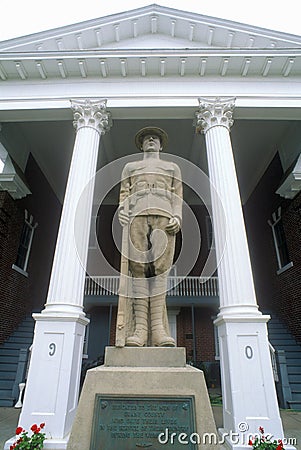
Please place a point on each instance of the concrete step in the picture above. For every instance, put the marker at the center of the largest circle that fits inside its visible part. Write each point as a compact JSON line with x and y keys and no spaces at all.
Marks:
{"x":7,"y":402}
{"x":290,"y":348}
{"x":13,"y":345}
{"x":9,"y":352}
{"x":8,"y":367}
{"x":9,"y":355}
{"x":292,"y":354}
{"x":293,"y":361}
{"x":7,"y":376}
{"x":294,"y":369}
{"x":6,"y":384}
{"x":281,"y":339}
{"x":24,"y":331}
{"x":294,"y":378}
{"x":5,"y":393}
{"x":294,"y":404}
{"x":274,"y":330}
{"x":26,"y":324}
{"x":9,"y":358}
{"x":274,"y":322}
{"x":284,"y":339}
{"x":275,"y":333}
{"x":296,"y":395}
{"x":20,"y":340}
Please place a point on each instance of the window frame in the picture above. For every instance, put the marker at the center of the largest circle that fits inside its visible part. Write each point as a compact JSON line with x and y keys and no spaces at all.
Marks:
{"x":28,"y":222}
{"x":210,"y":233}
{"x":277,"y":220}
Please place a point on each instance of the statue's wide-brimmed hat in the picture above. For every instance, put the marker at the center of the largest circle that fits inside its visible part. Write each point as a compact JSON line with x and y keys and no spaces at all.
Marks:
{"x":162,"y":135}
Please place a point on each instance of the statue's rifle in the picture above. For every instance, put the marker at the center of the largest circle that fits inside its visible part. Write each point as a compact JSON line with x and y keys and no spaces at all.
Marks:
{"x":124,"y":279}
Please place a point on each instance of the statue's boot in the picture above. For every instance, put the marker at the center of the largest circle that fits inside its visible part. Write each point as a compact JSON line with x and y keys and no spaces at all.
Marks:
{"x":139,"y":338}
{"x":160,"y":337}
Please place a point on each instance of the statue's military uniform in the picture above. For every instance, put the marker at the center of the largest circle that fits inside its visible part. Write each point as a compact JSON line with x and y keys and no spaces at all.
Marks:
{"x":152,"y":189}
{"x":155,"y":188}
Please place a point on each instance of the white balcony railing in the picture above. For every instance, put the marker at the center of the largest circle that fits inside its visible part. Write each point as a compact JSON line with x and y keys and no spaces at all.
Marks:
{"x":177,"y":286}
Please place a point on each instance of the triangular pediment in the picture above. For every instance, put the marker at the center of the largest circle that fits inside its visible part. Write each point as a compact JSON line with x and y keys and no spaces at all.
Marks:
{"x":153,"y":26}
{"x":157,"y":41}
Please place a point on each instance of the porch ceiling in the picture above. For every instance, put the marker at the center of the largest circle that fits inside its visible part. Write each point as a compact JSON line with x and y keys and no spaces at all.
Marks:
{"x":254,"y":145}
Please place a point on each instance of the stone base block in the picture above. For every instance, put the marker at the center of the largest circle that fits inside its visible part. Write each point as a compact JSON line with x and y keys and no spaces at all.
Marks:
{"x":144,"y":404}
{"x":145,"y":357}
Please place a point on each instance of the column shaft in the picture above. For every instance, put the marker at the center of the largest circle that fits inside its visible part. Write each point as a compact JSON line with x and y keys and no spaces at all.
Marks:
{"x":235,"y":273}
{"x":249,"y":395}
{"x":68,"y":272}
{"x":53,"y":378}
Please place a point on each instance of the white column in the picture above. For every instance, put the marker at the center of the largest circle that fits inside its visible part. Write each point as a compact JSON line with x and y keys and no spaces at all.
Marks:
{"x":249,"y":395}
{"x":68,"y":272}
{"x":53,"y":380}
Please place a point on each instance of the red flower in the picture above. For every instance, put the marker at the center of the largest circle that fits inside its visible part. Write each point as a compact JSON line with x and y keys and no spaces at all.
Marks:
{"x":42,"y":425}
{"x":261,"y":430}
{"x":250,"y":442}
{"x":34,"y":427}
{"x":37,"y":430}
{"x":280,"y":445}
{"x":19,"y":430}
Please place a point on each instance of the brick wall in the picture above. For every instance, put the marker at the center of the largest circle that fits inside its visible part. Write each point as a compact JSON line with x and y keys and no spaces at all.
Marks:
{"x":278,"y":293}
{"x":14,"y":287}
{"x":20,"y":295}
{"x":287,"y":285}
{"x":113,"y":326}
{"x":204,"y":333}
{"x":46,"y":210}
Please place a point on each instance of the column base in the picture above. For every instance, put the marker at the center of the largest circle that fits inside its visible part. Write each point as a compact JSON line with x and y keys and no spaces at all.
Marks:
{"x":52,"y":387}
{"x":63,"y":310}
{"x":248,"y":387}
{"x":241,"y":311}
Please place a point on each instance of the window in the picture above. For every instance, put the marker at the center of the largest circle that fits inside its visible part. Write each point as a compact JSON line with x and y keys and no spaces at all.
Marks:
{"x":210,"y":233}
{"x":3,"y":156}
{"x":282,"y":254}
{"x":216,"y":340}
{"x":25,"y":244}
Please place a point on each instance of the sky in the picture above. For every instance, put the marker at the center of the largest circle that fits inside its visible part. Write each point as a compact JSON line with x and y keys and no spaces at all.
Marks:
{"x":19,"y":18}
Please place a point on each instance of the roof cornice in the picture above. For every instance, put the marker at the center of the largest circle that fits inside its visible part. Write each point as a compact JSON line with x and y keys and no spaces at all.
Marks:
{"x":117,"y":63}
{"x":177,"y":52}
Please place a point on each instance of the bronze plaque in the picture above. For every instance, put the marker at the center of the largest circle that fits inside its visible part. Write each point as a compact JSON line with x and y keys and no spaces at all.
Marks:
{"x":132,"y":423}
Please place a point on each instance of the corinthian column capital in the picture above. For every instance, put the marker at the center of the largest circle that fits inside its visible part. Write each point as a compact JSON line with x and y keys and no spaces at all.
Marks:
{"x":214,"y":112}
{"x":91,"y":114}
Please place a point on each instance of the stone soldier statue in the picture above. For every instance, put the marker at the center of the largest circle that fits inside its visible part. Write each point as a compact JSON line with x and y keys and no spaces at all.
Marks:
{"x":151,"y":208}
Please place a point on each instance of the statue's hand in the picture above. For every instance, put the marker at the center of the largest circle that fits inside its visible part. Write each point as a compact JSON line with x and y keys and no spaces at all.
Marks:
{"x":173,"y":225}
{"x":123,"y":218}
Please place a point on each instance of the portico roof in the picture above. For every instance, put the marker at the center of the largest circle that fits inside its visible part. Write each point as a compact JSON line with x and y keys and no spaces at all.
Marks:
{"x":151,"y":64}
{"x":151,"y":41}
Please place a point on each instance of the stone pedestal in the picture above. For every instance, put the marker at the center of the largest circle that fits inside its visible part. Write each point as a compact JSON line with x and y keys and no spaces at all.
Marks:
{"x":141,"y":397}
